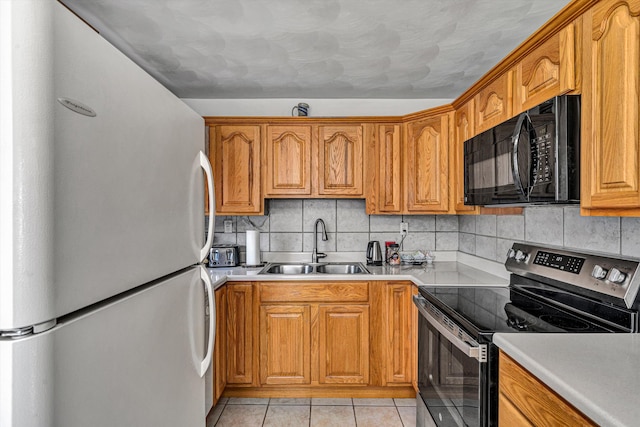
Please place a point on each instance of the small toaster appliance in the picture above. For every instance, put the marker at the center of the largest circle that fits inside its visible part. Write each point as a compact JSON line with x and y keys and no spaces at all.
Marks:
{"x":224,"y":256}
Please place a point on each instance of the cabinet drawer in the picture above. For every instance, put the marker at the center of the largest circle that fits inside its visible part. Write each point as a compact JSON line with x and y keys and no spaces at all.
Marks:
{"x":314,"y":291}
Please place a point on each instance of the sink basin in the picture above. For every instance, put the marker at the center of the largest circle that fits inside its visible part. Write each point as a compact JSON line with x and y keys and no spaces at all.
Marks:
{"x":287,"y":269}
{"x":324,"y":268}
{"x":342,"y":268}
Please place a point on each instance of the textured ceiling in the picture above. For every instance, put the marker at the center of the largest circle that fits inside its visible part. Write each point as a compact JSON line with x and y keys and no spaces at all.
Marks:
{"x":316,"y":48}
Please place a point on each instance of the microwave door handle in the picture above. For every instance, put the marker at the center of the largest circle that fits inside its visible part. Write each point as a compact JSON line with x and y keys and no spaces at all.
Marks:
{"x":476,"y":351}
{"x":515,"y":139}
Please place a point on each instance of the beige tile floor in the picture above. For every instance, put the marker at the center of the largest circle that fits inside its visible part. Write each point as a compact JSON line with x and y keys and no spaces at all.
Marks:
{"x":313,"y":412}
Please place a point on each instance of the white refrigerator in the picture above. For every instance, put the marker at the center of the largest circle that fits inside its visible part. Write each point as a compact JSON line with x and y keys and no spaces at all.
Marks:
{"x":102,"y":295}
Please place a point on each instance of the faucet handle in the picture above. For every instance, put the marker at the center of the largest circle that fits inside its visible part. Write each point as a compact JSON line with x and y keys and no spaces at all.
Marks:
{"x":321,"y":255}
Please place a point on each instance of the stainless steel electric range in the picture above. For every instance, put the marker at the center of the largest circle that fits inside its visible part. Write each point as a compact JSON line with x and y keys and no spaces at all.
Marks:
{"x":551,"y":290}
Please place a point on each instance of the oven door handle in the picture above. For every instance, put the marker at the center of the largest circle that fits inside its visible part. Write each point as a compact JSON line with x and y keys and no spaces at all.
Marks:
{"x":470,"y":348}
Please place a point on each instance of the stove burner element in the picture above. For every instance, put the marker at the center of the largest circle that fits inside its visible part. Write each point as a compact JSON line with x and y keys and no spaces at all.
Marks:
{"x":564,"y":322}
{"x":518,"y":323}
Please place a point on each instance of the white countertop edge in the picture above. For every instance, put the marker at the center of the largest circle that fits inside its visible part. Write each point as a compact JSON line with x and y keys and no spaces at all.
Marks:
{"x":595,"y":383}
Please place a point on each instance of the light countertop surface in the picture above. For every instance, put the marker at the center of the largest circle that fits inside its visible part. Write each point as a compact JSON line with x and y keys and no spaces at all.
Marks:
{"x":599,"y":374}
{"x":440,"y":273}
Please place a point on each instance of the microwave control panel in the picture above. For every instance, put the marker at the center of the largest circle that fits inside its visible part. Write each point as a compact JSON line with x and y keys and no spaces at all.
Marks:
{"x":541,"y":152}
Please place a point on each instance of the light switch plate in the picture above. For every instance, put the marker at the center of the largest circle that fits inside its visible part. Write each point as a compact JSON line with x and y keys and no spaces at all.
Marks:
{"x":228,"y":226}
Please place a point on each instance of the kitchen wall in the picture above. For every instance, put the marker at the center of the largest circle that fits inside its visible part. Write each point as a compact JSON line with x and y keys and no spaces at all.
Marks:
{"x":289,"y":228}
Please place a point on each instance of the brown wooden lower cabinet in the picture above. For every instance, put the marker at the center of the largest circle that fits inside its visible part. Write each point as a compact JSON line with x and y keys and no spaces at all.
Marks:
{"x":401,"y":348}
{"x":321,"y":339}
{"x":220,"y":346}
{"x":343,"y":344}
{"x":526,"y":401}
{"x":285,"y":341}
{"x":240,"y":331}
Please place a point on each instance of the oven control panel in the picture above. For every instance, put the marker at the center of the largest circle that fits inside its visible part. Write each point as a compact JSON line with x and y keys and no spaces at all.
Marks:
{"x":572,"y":264}
{"x":616,"y":279}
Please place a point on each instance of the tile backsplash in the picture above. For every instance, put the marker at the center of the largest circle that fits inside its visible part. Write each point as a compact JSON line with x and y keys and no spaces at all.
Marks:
{"x":490,"y":236}
{"x":289,"y":228}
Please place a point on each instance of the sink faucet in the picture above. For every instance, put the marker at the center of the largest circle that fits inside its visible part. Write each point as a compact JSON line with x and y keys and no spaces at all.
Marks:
{"x":316,"y":255}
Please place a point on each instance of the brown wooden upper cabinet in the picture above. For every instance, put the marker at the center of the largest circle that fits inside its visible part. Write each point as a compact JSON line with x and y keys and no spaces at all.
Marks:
{"x":314,"y":161}
{"x":494,"y":102}
{"x":235,"y":157}
{"x":610,"y":182}
{"x":547,"y":71}
{"x":426,"y":159}
{"x":288,"y":160}
{"x":340,"y":160}
{"x":464,"y":119}
{"x":384,"y":181}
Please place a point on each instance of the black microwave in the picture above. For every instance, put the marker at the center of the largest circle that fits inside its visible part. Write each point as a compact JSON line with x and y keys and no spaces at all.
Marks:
{"x":533,"y":158}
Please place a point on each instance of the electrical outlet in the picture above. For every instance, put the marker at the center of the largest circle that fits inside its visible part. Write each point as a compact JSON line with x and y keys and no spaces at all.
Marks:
{"x":228,"y":226}
{"x":404,"y":228}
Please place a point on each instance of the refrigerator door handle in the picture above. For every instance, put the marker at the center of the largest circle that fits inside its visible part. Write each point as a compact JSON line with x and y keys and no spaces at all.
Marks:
{"x":206,"y":166}
{"x":204,"y":365}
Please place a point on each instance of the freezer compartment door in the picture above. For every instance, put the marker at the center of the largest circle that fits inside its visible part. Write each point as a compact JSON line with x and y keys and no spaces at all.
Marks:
{"x":129,"y":186}
{"x":107,"y":202}
{"x":134,"y":362}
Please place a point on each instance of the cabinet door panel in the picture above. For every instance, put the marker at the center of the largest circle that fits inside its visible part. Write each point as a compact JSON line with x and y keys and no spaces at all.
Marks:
{"x":388,"y":157}
{"x":343,"y":344}
{"x":240,"y":334}
{"x":533,"y":399}
{"x":493,"y":103}
{"x":464,"y":131}
{"x":340,"y":160}
{"x":236,"y":168}
{"x":220,"y":346}
{"x":285,"y":340}
{"x":611,"y":104}
{"x":547,"y":71}
{"x":288,"y":155}
{"x":400,"y":333}
{"x":427,"y":165}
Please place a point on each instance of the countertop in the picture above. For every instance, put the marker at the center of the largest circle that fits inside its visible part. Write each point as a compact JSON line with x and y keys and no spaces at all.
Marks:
{"x":599,"y":374}
{"x":440,"y":273}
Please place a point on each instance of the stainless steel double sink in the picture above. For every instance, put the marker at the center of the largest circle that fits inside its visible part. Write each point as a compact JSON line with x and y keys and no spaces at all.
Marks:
{"x":312,"y":268}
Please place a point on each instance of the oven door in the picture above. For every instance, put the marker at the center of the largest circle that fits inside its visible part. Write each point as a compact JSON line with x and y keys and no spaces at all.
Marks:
{"x":450,"y":370}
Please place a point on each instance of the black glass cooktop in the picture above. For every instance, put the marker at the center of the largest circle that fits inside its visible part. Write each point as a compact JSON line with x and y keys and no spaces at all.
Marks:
{"x":485,"y":310}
